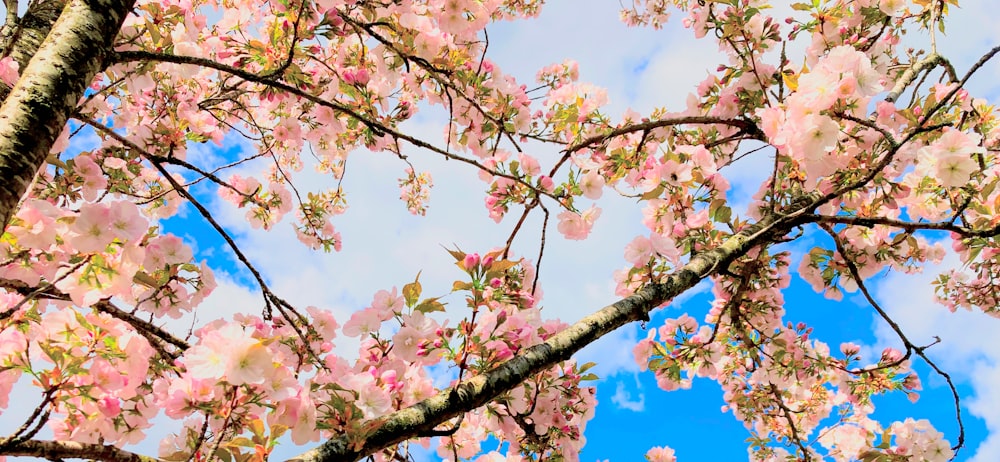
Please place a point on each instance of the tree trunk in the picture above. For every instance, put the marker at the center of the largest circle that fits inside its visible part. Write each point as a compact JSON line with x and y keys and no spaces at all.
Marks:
{"x":49,"y":87}
{"x":21,"y":40}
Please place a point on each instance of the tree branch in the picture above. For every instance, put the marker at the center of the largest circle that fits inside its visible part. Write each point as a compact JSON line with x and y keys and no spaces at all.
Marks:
{"x":750,"y":128}
{"x":908,"y":226}
{"x":54,"y":450}
{"x":911,"y":73}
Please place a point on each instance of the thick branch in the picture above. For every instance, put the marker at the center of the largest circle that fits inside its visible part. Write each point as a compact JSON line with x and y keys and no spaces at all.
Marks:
{"x":34,"y":114}
{"x":56,"y":450}
{"x":479,"y":390}
{"x":908,"y":226}
{"x":911,"y":73}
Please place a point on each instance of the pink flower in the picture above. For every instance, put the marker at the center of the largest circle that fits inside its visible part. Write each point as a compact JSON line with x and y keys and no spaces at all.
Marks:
{"x":372,"y":399}
{"x":818,"y":90}
{"x":38,"y":224}
{"x":249,"y":362}
{"x":545,"y":182}
{"x":230,"y":353}
{"x":529,"y":165}
{"x":890,"y":7}
{"x":203,"y":362}
{"x":817,"y":135}
{"x":406,"y":342}
{"x":638,"y":251}
{"x":7,"y":380}
{"x":8,"y":71}
{"x":304,"y":430}
{"x":951,"y":157}
{"x":849,"y":348}
{"x":642,"y":352}
{"x":387,"y":303}
{"x":126,"y":222}
{"x":661,"y":454}
{"x":665,"y":247}
{"x":93,"y":178}
{"x":166,"y":250}
{"x":91,"y":227}
{"x":955,"y":170}
{"x":592,"y":185}
{"x":363,"y":322}
{"x":324,"y":322}
{"x":109,"y":406}
{"x":577,"y":227}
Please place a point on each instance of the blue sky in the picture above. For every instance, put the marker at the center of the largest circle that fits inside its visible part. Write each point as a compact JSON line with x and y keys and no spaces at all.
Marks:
{"x":384,"y":246}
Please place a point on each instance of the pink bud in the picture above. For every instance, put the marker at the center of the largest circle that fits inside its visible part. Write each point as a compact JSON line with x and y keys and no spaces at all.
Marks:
{"x":362,"y":77}
{"x":470,"y":262}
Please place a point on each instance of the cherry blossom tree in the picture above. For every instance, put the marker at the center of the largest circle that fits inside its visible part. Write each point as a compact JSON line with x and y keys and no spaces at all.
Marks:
{"x":876,"y":146}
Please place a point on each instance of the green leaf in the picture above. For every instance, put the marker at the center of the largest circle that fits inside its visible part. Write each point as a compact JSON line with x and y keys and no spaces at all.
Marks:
{"x":411,"y":291}
{"x":241,"y":441}
{"x":886,"y":440}
{"x":154,"y":32}
{"x":590,"y":376}
{"x":177,"y":457}
{"x":723,"y":214}
{"x":655,"y":193}
{"x":277,"y":430}
{"x":429,"y":305}
{"x":458,"y":254}
{"x":503,"y":265}
{"x":872,"y":456}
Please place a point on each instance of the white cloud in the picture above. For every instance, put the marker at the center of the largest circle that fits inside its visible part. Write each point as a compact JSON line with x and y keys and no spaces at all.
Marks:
{"x":624,"y":400}
{"x":612,"y":353}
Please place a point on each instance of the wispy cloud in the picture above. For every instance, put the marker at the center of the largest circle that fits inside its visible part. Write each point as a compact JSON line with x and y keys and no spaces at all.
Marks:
{"x":624,"y":399}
